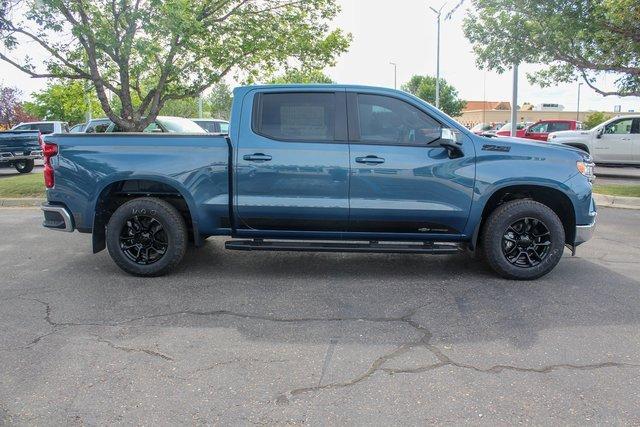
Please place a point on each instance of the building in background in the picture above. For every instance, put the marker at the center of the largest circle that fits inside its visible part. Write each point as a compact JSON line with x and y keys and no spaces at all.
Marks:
{"x":500,"y":112}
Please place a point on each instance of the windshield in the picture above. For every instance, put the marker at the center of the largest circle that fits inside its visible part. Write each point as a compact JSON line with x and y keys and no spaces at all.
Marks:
{"x":179,"y":124}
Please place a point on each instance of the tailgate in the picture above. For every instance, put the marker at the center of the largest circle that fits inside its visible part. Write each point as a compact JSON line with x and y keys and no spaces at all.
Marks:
{"x":19,"y":142}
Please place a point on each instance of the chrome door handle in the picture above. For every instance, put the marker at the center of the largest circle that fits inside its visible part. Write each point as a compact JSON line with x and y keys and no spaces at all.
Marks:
{"x":256,"y":157}
{"x":370,"y":160}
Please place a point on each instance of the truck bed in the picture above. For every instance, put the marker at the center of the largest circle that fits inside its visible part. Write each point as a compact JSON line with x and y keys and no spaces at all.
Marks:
{"x":194,"y":166}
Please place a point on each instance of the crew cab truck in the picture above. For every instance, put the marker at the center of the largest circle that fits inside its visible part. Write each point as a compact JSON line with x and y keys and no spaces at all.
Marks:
{"x":322,"y":168}
{"x":616,"y":141}
{"x":20,"y":149}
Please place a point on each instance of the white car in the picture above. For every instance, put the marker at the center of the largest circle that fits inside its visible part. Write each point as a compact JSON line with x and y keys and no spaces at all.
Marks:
{"x":616,"y":141}
{"x":45,"y":128}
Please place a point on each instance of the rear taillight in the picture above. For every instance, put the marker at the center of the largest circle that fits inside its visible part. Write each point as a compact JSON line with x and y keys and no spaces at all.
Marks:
{"x":49,"y":150}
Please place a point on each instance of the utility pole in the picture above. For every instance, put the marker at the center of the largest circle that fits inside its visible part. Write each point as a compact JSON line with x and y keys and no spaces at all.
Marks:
{"x":514,"y":101}
{"x":578,"y":108}
{"x":395,"y":74}
{"x":438,"y":13}
{"x":200,"y":106}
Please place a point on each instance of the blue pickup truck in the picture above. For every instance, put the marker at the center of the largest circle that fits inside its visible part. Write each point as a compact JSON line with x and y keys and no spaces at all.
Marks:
{"x":323,"y":168}
{"x":20,"y":149}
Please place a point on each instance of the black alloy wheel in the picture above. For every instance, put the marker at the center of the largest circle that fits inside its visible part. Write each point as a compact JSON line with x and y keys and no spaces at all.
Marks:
{"x":143,"y":239}
{"x":526,"y":242}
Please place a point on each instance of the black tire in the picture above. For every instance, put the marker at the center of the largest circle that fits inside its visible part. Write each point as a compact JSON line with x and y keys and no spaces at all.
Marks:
{"x":146,"y":237}
{"x":24,"y":166}
{"x":537,"y":252}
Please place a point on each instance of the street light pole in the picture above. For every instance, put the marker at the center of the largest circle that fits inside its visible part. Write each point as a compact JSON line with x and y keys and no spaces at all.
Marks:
{"x":438,"y":13}
{"x":395,"y":74}
{"x":578,"y":108}
{"x":514,"y":102}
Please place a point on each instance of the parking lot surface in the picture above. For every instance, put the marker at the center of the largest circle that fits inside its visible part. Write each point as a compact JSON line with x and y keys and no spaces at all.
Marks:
{"x":293,"y":338}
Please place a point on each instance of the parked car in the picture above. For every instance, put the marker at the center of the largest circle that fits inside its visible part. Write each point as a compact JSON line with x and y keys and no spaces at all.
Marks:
{"x":505,"y":130}
{"x":163,"y":124}
{"x":322,"y":168}
{"x":97,"y":125}
{"x":540,"y":130}
{"x":44,"y":128}
{"x":486,"y":129}
{"x":19,"y":149}
{"x":616,"y":141}
{"x":213,"y":125}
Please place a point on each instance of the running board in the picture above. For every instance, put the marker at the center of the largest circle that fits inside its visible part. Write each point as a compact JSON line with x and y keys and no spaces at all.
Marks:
{"x":371,"y":247}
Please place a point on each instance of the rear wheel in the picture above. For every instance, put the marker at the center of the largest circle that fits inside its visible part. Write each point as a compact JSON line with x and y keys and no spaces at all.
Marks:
{"x":146,"y":237}
{"x":24,"y":166}
{"x":523,"y":239}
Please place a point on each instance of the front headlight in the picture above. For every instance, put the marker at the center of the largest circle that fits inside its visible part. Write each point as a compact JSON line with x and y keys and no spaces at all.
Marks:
{"x":550,"y":137}
{"x":586,"y":168}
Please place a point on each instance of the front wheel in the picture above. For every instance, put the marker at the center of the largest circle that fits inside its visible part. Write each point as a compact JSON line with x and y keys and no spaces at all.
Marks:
{"x":24,"y":166}
{"x":523,"y":240}
{"x":146,"y":237}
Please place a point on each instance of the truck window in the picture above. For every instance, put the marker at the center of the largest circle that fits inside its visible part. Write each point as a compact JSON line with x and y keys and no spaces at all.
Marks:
{"x":224,"y":127}
{"x":539,"y":128}
{"x":558,"y":126}
{"x":619,"y":127}
{"x":44,"y":128}
{"x":295,"y":116}
{"x":384,"y":119}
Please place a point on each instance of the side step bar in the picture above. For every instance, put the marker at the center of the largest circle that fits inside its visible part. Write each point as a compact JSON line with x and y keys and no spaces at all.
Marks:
{"x":371,"y":247}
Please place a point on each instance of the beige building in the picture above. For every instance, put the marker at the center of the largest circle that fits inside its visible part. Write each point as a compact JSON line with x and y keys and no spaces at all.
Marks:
{"x":500,"y":112}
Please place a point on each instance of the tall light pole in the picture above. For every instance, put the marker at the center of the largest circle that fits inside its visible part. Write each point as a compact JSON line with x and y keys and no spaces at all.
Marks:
{"x":578,"y":108}
{"x":395,"y":74}
{"x":514,"y":102}
{"x":438,"y":13}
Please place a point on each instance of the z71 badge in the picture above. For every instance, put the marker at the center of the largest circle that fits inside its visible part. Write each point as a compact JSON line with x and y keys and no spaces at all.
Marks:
{"x":492,"y":147}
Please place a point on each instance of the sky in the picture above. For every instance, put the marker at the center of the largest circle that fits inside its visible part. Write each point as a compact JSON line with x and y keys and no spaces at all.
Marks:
{"x":404,"y":32}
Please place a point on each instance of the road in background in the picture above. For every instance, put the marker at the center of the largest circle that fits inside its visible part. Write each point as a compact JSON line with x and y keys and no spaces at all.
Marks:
{"x":622,"y":175}
{"x":305,"y":338}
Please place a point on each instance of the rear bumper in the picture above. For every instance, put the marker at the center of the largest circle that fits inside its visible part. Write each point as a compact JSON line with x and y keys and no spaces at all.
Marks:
{"x":13,"y":156}
{"x":57,"y":218}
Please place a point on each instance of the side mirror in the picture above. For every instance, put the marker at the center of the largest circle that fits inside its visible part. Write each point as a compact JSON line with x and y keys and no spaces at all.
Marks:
{"x":449,"y":141}
{"x":599,"y":132}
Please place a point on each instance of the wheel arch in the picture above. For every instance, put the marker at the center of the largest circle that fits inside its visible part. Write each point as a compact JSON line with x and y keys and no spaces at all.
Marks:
{"x":117,"y":190}
{"x":554,"y":198}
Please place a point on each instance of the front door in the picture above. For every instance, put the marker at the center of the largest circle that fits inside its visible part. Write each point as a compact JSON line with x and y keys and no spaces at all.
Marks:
{"x":539,"y":131}
{"x":399,"y":183}
{"x":615,"y":144}
{"x":293,"y":161}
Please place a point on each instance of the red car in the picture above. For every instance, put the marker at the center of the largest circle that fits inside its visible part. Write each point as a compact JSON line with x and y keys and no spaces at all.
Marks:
{"x":541,"y":130}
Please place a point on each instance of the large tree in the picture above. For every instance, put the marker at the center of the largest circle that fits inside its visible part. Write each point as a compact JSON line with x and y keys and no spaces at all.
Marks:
{"x":11,"y":108}
{"x":309,"y":76}
{"x":149,"y":52}
{"x":218,"y":103}
{"x":67,"y":101}
{"x":424,"y":87}
{"x":575,"y":39}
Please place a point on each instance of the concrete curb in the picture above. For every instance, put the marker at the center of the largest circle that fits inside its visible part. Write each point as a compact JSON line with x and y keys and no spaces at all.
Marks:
{"x":617,"y":201}
{"x":21,"y":202}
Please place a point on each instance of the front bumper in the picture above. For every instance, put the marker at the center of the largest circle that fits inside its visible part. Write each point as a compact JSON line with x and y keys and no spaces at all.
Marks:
{"x":585,"y":232}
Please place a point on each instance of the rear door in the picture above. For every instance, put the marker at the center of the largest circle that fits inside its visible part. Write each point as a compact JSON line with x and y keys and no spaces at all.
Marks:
{"x":399,"y":184}
{"x":292,"y":162}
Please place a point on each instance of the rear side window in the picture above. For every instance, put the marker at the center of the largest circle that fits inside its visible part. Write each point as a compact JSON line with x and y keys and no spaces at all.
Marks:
{"x":558,"y":126}
{"x":295,"y":116}
{"x":44,"y":128}
{"x":224,"y":127}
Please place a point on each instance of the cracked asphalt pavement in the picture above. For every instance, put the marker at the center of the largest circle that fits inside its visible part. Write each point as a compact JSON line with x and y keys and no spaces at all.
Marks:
{"x":301,"y":338}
